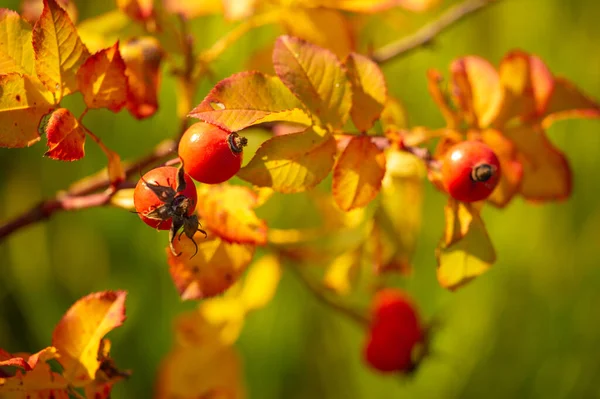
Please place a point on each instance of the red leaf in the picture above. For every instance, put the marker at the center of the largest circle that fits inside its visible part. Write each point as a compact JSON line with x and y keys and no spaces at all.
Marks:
{"x":66,"y":137}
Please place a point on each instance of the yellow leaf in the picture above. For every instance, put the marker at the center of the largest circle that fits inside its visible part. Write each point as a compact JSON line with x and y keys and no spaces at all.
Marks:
{"x":103,"y":30}
{"x":16,"y":52}
{"x":466,"y":250}
{"x":393,"y":116}
{"x":357,"y":174}
{"x":369,"y":91}
{"x":326,"y":28}
{"x":291,"y":163}
{"x":261,"y":282}
{"x":208,"y":371}
{"x":236,"y":10}
{"x":248,"y":98}
{"x":227,"y":211}
{"x":78,"y":335}
{"x":102,"y":81}
{"x":215,"y":268}
{"x":397,"y":221}
{"x":22,"y":106}
{"x":342,"y":272}
{"x":58,"y":50}
{"x":316,"y":76}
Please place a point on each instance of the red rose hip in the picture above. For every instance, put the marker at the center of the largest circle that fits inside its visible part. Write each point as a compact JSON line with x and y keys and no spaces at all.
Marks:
{"x":394,"y":333}
{"x":146,"y":200}
{"x":470,"y":171}
{"x":210,"y":154}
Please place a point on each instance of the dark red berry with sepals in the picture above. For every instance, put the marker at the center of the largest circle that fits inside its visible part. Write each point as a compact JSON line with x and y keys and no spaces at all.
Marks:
{"x":470,"y":171}
{"x":155,"y":195}
{"x":211,"y":155}
{"x":395,"y":333}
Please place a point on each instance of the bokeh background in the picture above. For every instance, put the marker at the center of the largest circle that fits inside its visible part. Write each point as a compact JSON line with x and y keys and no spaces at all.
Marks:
{"x":529,"y":328}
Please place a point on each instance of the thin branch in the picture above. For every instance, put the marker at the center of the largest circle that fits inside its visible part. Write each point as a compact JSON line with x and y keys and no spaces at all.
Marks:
{"x":326,"y":298}
{"x":427,"y":33}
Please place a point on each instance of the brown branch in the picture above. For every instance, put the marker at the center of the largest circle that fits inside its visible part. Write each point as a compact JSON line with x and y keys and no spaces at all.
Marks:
{"x":427,"y":33}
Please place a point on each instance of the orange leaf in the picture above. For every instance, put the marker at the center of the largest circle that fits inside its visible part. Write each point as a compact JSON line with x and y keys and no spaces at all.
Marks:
{"x":434,"y":82}
{"x":316,"y":76}
{"x":546,"y":171}
{"x":466,"y":250}
{"x":326,"y":28}
{"x":528,"y":85}
{"x":357,"y":174}
{"x":37,"y":380}
{"x":567,"y":101}
{"x":16,"y":53}
{"x":248,"y":98}
{"x":58,"y":50}
{"x":32,"y":9}
{"x":227,"y":211}
{"x":369,"y":91}
{"x":291,"y":163}
{"x":102,"y":80}
{"x":79,"y":333}
{"x":142,"y":57}
{"x":397,"y":221}
{"x":66,"y":137}
{"x":22,"y":106}
{"x":512,"y":170}
{"x":205,"y":371}
{"x":476,"y":89}
{"x":215,"y":267}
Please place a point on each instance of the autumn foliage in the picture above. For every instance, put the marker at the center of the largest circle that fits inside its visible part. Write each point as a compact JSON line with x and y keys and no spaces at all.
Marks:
{"x":334,"y":131}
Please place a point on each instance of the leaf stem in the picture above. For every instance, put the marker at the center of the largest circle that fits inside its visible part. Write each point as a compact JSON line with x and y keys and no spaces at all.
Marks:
{"x":325,"y":297}
{"x":425,"y":35}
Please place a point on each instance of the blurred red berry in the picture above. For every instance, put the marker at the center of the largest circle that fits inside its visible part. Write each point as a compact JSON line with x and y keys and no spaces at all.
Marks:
{"x":394,"y":333}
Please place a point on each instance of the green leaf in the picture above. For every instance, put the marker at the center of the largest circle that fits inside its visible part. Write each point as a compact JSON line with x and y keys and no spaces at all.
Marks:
{"x":249,"y":98}
{"x":466,"y":250}
{"x":316,"y":76}
{"x":368,"y":91}
{"x":291,"y":163}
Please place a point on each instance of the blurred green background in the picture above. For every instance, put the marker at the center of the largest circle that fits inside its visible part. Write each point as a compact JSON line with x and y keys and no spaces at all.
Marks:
{"x":528,"y":328}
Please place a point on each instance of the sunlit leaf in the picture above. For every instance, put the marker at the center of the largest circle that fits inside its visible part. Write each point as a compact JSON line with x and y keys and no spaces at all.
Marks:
{"x":22,"y":106}
{"x":142,"y":57}
{"x":206,"y":371}
{"x":79,"y":333}
{"x":512,"y":169}
{"x":326,"y":28}
{"x":397,"y":221}
{"x":261,"y":282}
{"x":66,"y":137}
{"x":236,"y":10}
{"x":342,"y":273}
{"x":36,"y":380}
{"x":476,"y":90}
{"x":58,"y":50}
{"x":368,"y":91}
{"x":393,"y":116}
{"x":228,"y":211}
{"x":316,"y":76}
{"x":215,"y":268}
{"x":357,"y":174}
{"x":248,"y":98}
{"x":194,"y":9}
{"x":567,"y":101}
{"x":101,"y":31}
{"x":528,"y":85}
{"x":16,"y":52}
{"x":546,"y":171}
{"x":466,"y":250}
{"x":291,"y":163}
{"x":102,"y":81}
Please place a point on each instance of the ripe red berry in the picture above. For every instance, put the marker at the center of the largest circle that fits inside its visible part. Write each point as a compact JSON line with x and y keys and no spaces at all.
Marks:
{"x":211,"y":155}
{"x":470,"y":171}
{"x":146,"y":200}
{"x":394,"y":333}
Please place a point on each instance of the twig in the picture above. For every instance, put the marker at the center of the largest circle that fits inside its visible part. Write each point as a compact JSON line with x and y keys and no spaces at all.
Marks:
{"x":427,"y":33}
{"x":325,"y":297}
